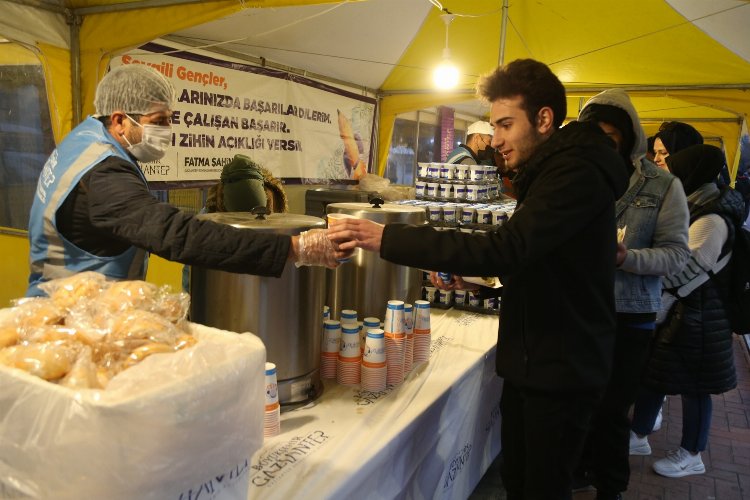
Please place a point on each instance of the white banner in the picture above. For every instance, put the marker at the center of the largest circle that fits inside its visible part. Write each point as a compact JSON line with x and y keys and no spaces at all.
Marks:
{"x":292,"y":126}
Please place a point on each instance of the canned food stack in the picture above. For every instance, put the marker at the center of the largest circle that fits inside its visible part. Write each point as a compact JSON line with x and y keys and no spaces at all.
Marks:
{"x":445,"y":181}
{"x":395,"y":340}
{"x":329,"y":350}
{"x":350,"y":357}
{"x":272,"y":418}
{"x":422,"y":332}
{"x":409,"y":331}
{"x":374,"y":369}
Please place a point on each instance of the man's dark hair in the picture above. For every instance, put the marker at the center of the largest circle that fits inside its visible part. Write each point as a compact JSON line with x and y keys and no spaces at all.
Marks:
{"x":530,"y":79}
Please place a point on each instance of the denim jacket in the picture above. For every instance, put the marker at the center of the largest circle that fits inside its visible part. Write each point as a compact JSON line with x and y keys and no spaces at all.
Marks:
{"x":654,"y":212}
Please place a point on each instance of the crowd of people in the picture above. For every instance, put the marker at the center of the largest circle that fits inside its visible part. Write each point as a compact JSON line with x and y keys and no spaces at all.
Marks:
{"x":591,"y":327}
{"x":590,"y":324}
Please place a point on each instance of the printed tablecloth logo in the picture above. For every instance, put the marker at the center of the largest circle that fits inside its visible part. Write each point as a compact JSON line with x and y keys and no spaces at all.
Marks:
{"x":209,"y":489}
{"x":273,"y":465}
{"x":457,"y":464}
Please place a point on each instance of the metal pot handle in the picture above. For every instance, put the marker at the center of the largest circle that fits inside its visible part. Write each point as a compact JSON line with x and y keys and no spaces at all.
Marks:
{"x":260,"y":212}
{"x":376,"y":202}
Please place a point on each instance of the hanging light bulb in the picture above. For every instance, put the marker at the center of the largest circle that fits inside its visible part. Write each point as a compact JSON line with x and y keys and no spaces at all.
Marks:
{"x":445,"y":76}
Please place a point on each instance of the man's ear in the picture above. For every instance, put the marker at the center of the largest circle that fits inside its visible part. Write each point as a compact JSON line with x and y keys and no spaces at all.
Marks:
{"x":116,"y":120}
{"x":545,"y":119}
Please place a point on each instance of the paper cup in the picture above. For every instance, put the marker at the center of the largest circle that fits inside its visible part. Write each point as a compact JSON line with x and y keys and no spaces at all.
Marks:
{"x":272,"y":389}
{"x":349,"y":345}
{"x":445,"y":191}
{"x":374,"y":346}
{"x":461,"y":173}
{"x":445,"y":297}
{"x":476,"y":172}
{"x":348,"y":316}
{"x":447,"y":170}
{"x":394,"y":317}
{"x":436,"y":212}
{"x":335,"y":216}
{"x":421,"y":315}
{"x":484,"y":216}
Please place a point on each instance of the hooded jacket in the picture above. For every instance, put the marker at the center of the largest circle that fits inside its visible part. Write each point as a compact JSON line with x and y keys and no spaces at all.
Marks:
{"x":555,"y":257}
{"x":654,"y":216}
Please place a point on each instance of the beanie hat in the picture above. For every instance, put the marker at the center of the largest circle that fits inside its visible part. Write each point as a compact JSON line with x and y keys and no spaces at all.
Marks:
{"x":242,"y":183}
{"x":618,"y":118}
{"x":696,"y":165}
{"x":676,"y":136}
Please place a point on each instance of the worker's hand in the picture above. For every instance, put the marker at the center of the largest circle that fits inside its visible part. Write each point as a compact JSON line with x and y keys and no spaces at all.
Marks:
{"x":349,"y":234}
{"x":313,"y":248}
{"x":456,"y":283}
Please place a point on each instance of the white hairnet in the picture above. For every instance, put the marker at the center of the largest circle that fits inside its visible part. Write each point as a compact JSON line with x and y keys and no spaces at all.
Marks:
{"x":134,"y":89}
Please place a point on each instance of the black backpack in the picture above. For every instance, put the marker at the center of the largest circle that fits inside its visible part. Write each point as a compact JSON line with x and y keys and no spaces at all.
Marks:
{"x":738,"y":299}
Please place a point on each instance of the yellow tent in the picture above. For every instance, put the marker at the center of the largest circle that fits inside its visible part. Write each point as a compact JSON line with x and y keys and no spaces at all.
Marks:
{"x":667,"y":61}
{"x":672,"y":69}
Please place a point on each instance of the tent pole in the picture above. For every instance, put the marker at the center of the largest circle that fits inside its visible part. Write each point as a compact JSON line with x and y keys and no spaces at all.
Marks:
{"x":74,"y":21}
{"x":503,"y":30}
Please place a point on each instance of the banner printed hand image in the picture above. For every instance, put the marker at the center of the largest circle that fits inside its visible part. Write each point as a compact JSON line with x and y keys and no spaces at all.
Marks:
{"x":353,"y":149}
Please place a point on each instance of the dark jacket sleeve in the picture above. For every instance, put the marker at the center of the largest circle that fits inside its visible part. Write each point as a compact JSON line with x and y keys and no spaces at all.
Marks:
{"x":121,"y":207}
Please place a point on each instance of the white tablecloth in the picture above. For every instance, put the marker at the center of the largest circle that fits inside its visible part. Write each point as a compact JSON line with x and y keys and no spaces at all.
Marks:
{"x":433,"y":436}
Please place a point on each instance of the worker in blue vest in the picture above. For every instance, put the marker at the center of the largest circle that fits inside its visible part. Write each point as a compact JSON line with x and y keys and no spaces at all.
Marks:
{"x":477,"y":149}
{"x":93,"y":210}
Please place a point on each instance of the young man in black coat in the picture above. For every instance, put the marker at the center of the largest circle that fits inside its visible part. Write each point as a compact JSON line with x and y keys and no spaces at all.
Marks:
{"x":556,"y":259}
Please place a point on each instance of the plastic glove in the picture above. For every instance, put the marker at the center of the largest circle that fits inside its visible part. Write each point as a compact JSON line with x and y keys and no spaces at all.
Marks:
{"x":315,"y":249}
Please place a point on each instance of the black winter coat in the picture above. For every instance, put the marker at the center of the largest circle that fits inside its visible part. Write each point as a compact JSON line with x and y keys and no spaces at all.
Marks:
{"x":555,"y":256}
{"x":692,"y":350}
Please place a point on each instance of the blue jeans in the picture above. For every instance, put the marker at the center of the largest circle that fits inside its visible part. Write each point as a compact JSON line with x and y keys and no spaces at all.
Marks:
{"x":696,"y":417}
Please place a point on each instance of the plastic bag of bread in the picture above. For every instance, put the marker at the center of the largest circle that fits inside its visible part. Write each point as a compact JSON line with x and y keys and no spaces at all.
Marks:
{"x":172,"y":306}
{"x":67,"y":292}
{"x":136,"y":324}
{"x":47,"y":360}
{"x":35,"y":312}
{"x":179,"y":424}
{"x":124,"y":295}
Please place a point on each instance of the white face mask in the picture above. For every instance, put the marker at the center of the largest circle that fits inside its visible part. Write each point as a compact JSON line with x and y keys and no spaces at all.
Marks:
{"x":154,"y":142}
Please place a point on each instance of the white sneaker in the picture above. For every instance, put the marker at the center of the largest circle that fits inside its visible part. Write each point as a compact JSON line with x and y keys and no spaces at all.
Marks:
{"x":639,"y":445}
{"x":679,"y":463}
{"x":659,"y":416}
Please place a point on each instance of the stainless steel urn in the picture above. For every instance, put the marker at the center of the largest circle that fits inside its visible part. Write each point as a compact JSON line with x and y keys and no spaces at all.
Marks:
{"x":286,"y":312}
{"x":367,"y":282}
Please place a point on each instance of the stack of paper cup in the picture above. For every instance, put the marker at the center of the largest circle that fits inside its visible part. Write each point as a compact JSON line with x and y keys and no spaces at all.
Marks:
{"x":374,"y":370}
{"x":329,"y":350}
{"x":409,"y":331}
{"x":395,"y":341}
{"x":368,"y":324}
{"x":272,"y":419}
{"x":348,"y":316}
{"x":348,"y":362}
{"x":422,"y":336}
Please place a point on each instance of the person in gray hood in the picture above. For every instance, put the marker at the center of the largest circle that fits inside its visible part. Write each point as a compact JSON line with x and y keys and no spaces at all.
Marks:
{"x":652,"y":220}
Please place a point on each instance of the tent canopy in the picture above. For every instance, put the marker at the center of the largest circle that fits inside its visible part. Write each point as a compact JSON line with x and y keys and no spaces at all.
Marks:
{"x":679,"y":59}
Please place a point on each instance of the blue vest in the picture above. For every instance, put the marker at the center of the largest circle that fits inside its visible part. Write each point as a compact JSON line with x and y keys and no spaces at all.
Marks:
{"x":461,"y":155}
{"x":52,"y":256}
